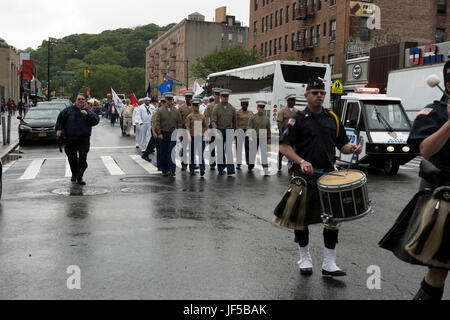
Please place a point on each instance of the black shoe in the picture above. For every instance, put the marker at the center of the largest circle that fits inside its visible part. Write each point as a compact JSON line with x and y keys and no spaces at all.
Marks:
{"x":330,"y":274}
{"x":306,"y":271}
{"x":213,"y":166}
{"x":192,"y":173}
{"x":146,"y":158}
{"x":221,"y":173}
{"x":81,"y":182}
{"x":251,"y":167}
{"x":172,"y":174}
{"x":165,"y":174}
{"x":196,"y":167}
{"x":183,"y":167}
{"x":231,"y":172}
{"x":137,"y":147}
{"x":202,"y":173}
{"x":73,"y":179}
{"x":238,"y":167}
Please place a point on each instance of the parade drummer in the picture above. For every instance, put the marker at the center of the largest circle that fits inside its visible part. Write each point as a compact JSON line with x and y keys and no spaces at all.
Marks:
{"x":310,"y":142}
{"x":430,"y":134}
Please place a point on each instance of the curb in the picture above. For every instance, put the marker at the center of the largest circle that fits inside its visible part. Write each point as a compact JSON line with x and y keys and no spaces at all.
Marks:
{"x":10,"y":148}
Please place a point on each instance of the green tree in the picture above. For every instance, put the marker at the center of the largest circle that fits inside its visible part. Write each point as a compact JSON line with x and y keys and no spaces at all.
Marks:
{"x":107,"y":55}
{"x":225,"y":59}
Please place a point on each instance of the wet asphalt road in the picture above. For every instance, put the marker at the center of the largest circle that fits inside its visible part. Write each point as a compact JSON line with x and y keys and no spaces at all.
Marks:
{"x":143,"y":236}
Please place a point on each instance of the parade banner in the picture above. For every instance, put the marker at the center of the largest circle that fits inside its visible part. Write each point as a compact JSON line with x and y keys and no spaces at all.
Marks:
{"x":27,"y":70}
{"x":117,"y":100}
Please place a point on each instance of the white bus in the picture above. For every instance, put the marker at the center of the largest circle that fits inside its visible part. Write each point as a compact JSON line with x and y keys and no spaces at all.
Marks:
{"x":271,"y":81}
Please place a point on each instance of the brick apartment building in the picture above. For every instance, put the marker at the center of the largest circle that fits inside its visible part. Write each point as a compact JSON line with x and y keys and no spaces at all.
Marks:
{"x":325,"y":31}
{"x":172,"y":54}
{"x":9,"y":66}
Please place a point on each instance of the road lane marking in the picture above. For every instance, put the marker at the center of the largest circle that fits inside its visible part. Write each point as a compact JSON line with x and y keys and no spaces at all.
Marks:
{"x":112,"y":166}
{"x":9,"y":165}
{"x":32,"y":170}
{"x":68,"y":171}
{"x":147,"y":166}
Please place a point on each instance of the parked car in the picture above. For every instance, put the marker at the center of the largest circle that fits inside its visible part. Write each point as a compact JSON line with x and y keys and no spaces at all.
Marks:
{"x":38,"y":125}
{"x":52,"y":104}
{"x":67,"y":102}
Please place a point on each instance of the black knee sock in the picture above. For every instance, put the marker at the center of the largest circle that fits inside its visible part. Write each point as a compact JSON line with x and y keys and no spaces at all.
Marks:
{"x":435,"y":293}
{"x":330,"y":238}
{"x":302,"y":237}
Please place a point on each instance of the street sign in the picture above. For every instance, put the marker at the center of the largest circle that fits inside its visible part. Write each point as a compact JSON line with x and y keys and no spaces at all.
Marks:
{"x":65,"y":74}
{"x":337,"y":88}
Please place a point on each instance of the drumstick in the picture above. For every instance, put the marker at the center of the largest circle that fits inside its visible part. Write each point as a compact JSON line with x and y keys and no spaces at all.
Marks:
{"x":328,"y":173}
{"x":353,"y":156}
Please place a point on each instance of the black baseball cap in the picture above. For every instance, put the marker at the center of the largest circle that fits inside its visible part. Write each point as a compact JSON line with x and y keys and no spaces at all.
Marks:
{"x":315,"y":83}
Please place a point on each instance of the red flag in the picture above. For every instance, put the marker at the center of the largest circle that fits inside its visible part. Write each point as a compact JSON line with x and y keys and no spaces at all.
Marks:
{"x":88,"y":92}
{"x":134,"y":101}
{"x":27,"y":69}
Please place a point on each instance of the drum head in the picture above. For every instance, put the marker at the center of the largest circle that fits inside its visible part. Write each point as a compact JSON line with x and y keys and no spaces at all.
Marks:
{"x":350,"y":177}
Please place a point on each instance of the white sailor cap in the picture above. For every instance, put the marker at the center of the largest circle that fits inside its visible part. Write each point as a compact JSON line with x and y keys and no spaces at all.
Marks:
{"x":145,"y":99}
{"x":217,"y":90}
{"x":196,"y":101}
{"x":189,"y":93}
{"x":211,"y":98}
{"x":291,"y":96}
{"x":162,"y":99}
{"x":244,"y":100}
{"x":225,"y":92}
{"x":261,"y":103}
{"x":169,"y":95}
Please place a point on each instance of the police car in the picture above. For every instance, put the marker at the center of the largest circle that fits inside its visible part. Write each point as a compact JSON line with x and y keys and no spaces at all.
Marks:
{"x":381,"y":125}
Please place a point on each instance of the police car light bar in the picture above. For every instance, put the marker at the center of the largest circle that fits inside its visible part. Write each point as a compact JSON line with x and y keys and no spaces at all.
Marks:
{"x":368,"y":90}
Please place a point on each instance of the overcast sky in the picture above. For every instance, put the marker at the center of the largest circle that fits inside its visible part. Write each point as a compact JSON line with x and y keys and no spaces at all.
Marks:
{"x":26,"y":23}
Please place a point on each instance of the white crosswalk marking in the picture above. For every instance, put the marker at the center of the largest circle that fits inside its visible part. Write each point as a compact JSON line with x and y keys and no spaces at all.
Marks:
{"x":68,"y":171}
{"x":150,"y":168}
{"x":32,"y":170}
{"x":112,"y":166}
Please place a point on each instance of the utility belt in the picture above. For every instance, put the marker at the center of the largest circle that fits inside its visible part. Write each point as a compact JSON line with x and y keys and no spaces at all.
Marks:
{"x":434,"y":175}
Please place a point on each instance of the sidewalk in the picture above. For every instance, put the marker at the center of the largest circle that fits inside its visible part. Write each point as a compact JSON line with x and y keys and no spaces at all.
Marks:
{"x":14,"y":138}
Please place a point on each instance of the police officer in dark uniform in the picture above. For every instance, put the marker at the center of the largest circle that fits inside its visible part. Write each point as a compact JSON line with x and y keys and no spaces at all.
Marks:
{"x":310,"y":142}
{"x":431,"y":135}
{"x":75,"y":124}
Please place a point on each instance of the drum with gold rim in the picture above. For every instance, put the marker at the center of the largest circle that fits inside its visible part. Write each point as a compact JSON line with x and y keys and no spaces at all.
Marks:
{"x":345,"y":197}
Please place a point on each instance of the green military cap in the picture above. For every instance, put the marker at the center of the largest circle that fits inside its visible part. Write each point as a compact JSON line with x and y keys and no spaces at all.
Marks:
{"x":225,"y":92}
{"x":196,"y":101}
{"x":169,"y":95}
{"x":261,"y":103}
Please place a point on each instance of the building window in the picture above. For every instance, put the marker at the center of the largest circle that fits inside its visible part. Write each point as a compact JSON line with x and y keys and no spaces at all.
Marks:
{"x":276,"y":19}
{"x":318,"y":34}
{"x":364,"y":33}
{"x":270,"y":48}
{"x":293,"y":42}
{"x":267,"y":23}
{"x":265,"y":49}
{"x":313,"y":5}
{"x":223,"y":36}
{"x":332,"y":2}
{"x":286,"y":43}
{"x":441,"y":36}
{"x":240,"y":38}
{"x":281,"y":17}
{"x":324,"y":29}
{"x":279,"y":45}
{"x":262,"y":49}
{"x":319,"y":5}
{"x":323,"y":59}
{"x":264,"y":3}
{"x":255,"y":28}
{"x":230,"y":37}
{"x":287,"y":14}
{"x":442,"y":7}
{"x":332,"y":30}
{"x":317,"y":59}
{"x":313,"y":40}
{"x":262,"y":25}
{"x":275,"y":43}
{"x":271,"y":21}
{"x":331,"y":62}
{"x":256,"y":5}
{"x":294,"y":10}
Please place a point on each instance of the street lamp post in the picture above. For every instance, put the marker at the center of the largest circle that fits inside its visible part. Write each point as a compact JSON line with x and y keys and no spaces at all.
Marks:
{"x":48,"y":69}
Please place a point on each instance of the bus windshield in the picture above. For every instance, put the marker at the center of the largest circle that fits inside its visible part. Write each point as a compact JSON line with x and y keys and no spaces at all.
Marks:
{"x":386,"y":116}
{"x":301,"y":74}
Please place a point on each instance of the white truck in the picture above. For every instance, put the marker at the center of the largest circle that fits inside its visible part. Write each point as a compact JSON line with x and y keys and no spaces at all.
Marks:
{"x":410,"y":86}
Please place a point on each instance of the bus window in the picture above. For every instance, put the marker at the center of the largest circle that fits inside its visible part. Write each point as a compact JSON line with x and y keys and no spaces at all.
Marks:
{"x":301,"y":74}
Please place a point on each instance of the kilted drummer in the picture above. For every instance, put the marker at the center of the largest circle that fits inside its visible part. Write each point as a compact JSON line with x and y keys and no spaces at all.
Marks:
{"x":309,"y":142}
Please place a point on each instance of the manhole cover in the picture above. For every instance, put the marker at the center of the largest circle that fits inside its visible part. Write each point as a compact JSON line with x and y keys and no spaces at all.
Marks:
{"x":146,"y":189}
{"x":138,"y":179}
{"x":80,"y":191}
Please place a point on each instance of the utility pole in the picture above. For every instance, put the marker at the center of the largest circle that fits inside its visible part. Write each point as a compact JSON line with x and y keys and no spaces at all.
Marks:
{"x":48,"y":69}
